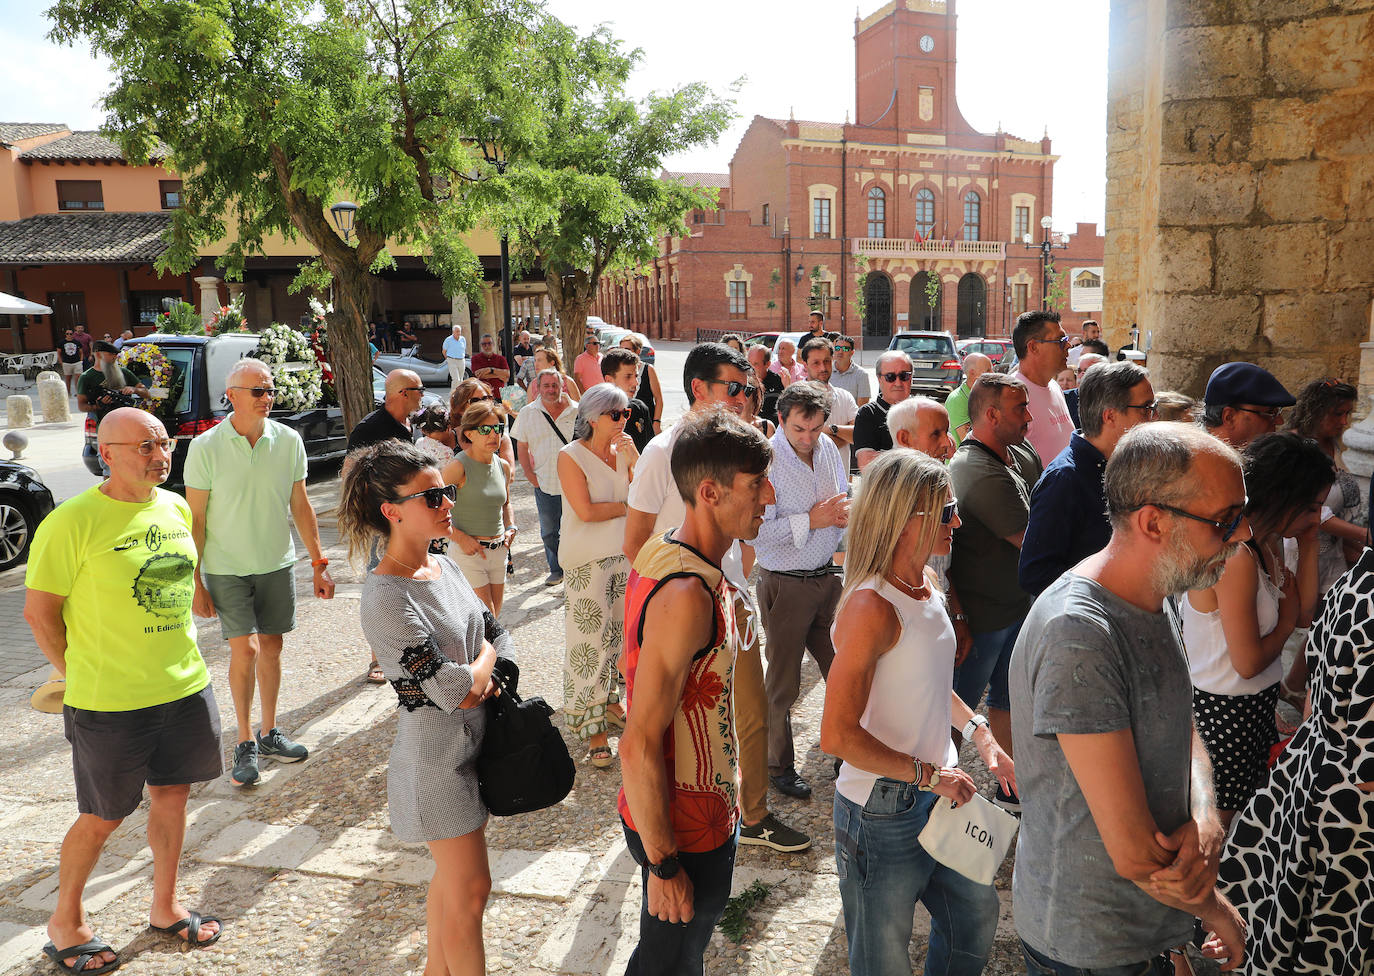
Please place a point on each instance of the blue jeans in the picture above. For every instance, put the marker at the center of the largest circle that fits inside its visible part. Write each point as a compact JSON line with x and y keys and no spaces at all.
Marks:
{"x":884,"y":872}
{"x":669,"y":949}
{"x":1039,"y":964}
{"x":550,"y":518}
{"x":985,"y":669}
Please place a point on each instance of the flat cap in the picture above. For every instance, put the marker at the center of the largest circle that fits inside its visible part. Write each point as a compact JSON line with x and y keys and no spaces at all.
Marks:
{"x":1233,"y":383}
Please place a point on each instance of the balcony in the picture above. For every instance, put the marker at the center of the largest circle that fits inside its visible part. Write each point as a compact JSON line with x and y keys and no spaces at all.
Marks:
{"x":897,"y":247}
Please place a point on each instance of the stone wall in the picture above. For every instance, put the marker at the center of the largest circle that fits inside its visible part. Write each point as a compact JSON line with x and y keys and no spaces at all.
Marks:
{"x":1240,"y":206}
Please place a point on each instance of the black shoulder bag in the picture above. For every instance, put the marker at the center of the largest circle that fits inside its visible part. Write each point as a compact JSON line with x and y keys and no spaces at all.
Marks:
{"x":524,"y":765}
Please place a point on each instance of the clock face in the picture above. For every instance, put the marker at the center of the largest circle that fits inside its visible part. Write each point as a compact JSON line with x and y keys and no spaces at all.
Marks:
{"x":927,"y":43}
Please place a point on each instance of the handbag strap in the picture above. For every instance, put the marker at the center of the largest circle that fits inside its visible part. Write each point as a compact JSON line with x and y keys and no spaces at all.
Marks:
{"x":554,"y":425}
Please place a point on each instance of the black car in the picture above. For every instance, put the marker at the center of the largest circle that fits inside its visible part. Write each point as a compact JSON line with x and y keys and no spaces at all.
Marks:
{"x":24,"y":502}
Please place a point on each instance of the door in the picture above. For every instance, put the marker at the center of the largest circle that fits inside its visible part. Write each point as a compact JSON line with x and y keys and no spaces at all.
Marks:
{"x":68,"y":311}
{"x":878,"y":305}
{"x":973,"y":294}
{"x":924,"y":318}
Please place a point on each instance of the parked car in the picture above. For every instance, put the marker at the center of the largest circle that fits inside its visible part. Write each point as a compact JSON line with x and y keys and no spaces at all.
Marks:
{"x":935,"y":367}
{"x":427,"y":399}
{"x":24,"y":502}
{"x":611,"y":335}
{"x":768,"y":339}
{"x":994,"y":349}
{"x":430,"y":372}
{"x":796,"y":338}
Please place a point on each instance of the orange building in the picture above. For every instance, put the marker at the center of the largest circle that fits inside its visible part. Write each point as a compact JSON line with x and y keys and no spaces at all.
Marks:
{"x":908,"y":198}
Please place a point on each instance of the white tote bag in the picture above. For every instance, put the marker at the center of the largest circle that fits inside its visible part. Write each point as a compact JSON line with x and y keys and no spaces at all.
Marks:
{"x":972,"y":838}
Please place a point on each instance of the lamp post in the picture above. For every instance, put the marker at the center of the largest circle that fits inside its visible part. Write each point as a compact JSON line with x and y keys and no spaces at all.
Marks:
{"x":344,"y":213}
{"x":1045,"y":246}
{"x":491,"y":152}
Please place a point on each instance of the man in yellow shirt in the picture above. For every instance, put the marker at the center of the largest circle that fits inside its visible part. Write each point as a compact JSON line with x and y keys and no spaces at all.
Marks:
{"x":110,"y":584}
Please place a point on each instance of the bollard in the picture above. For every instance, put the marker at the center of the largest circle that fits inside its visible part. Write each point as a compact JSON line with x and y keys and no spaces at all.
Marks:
{"x":15,"y":442}
{"x":48,"y":374}
{"x":52,"y":400}
{"x":19,"y":411}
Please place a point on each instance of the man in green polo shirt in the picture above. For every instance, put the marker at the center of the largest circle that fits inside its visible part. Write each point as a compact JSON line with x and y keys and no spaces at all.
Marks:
{"x":245,"y":480}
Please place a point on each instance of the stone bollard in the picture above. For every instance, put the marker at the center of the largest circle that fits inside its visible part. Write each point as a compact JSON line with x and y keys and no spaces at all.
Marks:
{"x":53,"y":401}
{"x":48,"y":374}
{"x":19,"y":411}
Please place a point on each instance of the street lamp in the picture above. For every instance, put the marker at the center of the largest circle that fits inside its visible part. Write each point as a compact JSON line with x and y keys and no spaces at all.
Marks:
{"x":1044,"y":247}
{"x":491,"y":152}
{"x":344,"y":214}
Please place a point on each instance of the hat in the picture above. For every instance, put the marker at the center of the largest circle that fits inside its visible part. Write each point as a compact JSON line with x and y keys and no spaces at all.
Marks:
{"x":1245,"y":383}
{"x":48,"y":697}
{"x":100,"y":345}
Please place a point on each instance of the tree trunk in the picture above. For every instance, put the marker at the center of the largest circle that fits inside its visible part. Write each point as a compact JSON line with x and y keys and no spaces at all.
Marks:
{"x":571,"y":293}
{"x":348,"y":342}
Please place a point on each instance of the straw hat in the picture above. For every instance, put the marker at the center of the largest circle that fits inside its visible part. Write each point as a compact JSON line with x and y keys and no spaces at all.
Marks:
{"x":48,"y":697}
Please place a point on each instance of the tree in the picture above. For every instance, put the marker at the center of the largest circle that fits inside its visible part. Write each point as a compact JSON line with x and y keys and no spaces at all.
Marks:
{"x":587,"y":198}
{"x":273,"y":110}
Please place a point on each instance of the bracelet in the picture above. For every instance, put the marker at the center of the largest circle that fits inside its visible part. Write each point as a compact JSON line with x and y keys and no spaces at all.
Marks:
{"x":319,"y":562}
{"x":958,"y":616}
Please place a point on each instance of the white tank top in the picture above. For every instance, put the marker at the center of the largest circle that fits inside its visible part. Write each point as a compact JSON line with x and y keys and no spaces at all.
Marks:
{"x":581,"y":542}
{"x":1209,"y":662}
{"x":908,"y":704}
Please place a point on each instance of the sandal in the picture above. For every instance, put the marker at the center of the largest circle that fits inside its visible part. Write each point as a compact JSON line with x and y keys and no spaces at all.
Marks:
{"x":191,"y":924}
{"x":615,"y":721}
{"x":375,"y":674}
{"x":83,"y":953}
{"x":601,"y":757}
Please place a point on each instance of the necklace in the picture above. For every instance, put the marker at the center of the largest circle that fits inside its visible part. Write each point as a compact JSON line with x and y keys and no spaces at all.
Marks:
{"x":413,"y":569}
{"x":918,"y":592}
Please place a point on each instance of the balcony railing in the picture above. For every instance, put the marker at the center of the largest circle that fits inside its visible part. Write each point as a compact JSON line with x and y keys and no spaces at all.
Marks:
{"x":897,"y":247}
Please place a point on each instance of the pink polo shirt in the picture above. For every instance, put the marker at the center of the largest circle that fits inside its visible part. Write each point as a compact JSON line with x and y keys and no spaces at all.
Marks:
{"x":587,"y":370}
{"x":1051,"y":424}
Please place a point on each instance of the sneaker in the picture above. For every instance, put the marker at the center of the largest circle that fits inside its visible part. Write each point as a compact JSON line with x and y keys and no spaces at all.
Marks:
{"x":1009,"y":802}
{"x":245,"y":771}
{"x":554,"y":579}
{"x":772,"y":832}
{"x":280,"y":748}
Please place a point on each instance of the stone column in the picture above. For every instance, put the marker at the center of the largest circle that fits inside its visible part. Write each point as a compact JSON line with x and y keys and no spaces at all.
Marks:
{"x":235,"y":290}
{"x":209,"y":297}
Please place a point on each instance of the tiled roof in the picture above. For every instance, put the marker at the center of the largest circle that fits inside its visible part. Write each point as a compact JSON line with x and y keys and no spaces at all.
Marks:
{"x":721,"y":180}
{"x":86,"y":238}
{"x":14,"y":131}
{"x":83,"y":145}
{"x":836,"y":128}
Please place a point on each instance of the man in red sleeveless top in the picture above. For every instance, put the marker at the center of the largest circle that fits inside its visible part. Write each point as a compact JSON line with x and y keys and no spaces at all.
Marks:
{"x":680,"y":801}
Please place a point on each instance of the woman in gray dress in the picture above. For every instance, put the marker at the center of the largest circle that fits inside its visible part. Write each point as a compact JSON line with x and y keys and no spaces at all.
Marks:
{"x":436,"y":643}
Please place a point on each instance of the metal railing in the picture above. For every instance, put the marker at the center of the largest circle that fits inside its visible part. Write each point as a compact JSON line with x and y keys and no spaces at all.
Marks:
{"x":903,"y":247}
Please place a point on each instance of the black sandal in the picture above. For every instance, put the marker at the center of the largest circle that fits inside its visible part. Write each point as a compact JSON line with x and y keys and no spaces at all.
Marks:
{"x":191,"y":924}
{"x":84,"y":953}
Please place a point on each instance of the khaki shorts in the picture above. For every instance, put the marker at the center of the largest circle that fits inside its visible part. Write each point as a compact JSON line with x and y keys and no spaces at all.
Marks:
{"x":71,"y":369}
{"x":487,"y":568}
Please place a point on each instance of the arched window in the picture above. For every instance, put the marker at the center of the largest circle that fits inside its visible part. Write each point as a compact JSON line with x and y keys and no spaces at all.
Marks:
{"x":877,"y":212}
{"x":972,"y":212}
{"x":925,"y":213}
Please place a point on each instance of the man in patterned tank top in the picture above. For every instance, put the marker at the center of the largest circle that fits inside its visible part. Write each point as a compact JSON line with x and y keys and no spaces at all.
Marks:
{"x":680,"y":800}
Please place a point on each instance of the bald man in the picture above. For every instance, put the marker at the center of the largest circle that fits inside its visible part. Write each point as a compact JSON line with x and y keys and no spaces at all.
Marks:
{"x":138,"y":706}
{"x":975,"y":365}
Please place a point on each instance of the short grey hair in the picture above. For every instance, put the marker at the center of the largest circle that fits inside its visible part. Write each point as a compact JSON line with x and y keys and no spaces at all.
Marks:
{"x":245,"y":365}
{"x":548,"y":372}
{"x":1150,"y":465}
{"x":810,"y":398}
{"x":891,"y":354}
{"x":595,"y":402}
{"x":903,"y":416}
{"x":1106,"y":388}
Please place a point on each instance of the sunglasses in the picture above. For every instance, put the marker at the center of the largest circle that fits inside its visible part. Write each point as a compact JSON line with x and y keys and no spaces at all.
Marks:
{"x":146,"y":448}
{"x":902,"y":377}
{"x":482,"y":399}
{"x":946,"y":513}
{"x":485,"y":429}
{"x":1061,"y":341}
{"x":412,"y":389}
{"x":1227,"y":529}
{"x":616,"y":415}
{"x":258,"y":392}
{"x":434,"y":497}
{"x":732,"y":387}
{"x":844,"y":348}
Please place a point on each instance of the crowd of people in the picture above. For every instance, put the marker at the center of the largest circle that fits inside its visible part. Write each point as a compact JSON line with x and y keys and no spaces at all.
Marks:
{"x":1093,"y":589}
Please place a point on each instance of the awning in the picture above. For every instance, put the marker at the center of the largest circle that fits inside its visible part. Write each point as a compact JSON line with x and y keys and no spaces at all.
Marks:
{"x":10,"y":305}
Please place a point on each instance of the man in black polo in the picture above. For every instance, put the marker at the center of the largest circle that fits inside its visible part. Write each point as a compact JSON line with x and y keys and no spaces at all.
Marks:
{"x":871,"y":436}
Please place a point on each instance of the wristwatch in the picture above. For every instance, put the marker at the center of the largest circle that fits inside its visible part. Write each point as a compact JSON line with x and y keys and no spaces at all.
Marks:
{"x":834,"y":430}
{"x":666,"y":868}
{"x":978,"y":721}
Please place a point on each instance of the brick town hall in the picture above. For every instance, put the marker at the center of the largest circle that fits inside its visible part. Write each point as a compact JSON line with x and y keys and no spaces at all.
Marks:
{"x":905,"y":194}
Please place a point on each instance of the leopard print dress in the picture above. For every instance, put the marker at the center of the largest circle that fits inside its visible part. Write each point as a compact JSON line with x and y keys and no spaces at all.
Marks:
{"x":1300,"y":862}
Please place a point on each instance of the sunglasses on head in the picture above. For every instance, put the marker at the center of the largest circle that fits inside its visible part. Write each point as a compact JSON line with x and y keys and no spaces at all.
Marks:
{"x":946,"y":513}
{"x":258,"y":392}
{"x":903,"y":376}
{"x":434,"y":497}
{"x":616,"y":415}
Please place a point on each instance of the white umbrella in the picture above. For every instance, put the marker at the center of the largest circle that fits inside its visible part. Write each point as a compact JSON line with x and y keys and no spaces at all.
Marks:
{"x":9,"y":305}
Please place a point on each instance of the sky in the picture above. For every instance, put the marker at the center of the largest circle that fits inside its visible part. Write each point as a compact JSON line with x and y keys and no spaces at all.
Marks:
{"x":1029,"y":67}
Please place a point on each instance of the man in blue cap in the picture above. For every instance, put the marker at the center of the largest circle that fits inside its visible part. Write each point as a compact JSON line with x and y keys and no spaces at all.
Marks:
{"x":1242,"y":402}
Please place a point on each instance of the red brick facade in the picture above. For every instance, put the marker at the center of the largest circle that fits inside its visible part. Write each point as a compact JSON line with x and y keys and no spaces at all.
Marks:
{"x":907,"y":192}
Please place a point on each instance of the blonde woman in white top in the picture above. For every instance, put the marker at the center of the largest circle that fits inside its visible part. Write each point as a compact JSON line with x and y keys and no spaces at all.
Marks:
{"x":594,"y":473}
{"x":890,"y":708}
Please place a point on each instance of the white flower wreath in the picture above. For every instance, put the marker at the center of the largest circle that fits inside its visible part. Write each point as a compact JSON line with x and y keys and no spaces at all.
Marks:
{"x":295,"y":368}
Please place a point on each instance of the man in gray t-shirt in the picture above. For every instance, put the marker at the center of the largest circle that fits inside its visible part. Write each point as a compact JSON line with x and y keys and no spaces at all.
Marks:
{"x":1119,"y":837}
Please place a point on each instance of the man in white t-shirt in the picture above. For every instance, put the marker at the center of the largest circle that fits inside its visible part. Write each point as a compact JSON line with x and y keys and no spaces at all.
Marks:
{"x":716,"y":376}
{"x":1042,"y":351}
{"x":542,"y":429}
{"x":817,"y":356}
{"x":456,"y":355}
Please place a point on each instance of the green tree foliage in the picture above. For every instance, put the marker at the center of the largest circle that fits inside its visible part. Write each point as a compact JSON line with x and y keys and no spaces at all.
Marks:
{"x":273,"y":110}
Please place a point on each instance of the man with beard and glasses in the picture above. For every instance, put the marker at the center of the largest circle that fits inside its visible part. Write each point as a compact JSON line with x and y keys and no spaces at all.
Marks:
{"x":1119,"y":841}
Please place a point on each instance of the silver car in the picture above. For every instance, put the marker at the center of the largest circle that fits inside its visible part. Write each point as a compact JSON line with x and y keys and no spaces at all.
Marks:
{"x":430,"y":372}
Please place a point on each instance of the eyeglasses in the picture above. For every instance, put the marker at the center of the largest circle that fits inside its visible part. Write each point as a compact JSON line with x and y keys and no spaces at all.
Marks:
{"x":1151,"y":408}
{"x":145,"y":448}
{"x":732,"y":387}
{"x":482,"y":399}
{"x":434,"y":497}
{"x":616,"y":415}
{"x":1273,"y":413}
{"x":1227,"y":529}
{"x":1061,"y":341}
{"x":258,"y":392}
{"x":485,"y":429}
{"x":947,"y":513}
{"x":903,"y":377}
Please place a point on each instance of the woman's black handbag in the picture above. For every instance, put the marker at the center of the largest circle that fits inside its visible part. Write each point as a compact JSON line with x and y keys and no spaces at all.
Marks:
{"x":524,"y":765}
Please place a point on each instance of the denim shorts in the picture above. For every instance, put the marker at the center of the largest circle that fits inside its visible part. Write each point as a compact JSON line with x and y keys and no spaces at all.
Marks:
{"x":261,"y":604}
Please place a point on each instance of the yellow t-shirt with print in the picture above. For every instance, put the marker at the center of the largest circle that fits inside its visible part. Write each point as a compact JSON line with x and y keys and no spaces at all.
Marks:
{"x":125,"y":569}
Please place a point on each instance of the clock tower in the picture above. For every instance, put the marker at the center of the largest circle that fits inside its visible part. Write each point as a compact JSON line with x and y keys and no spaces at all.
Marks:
{"x":904,"y":63}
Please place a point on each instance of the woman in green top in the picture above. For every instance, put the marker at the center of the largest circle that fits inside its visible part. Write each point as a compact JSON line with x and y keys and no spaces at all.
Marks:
{"x":483,"y":525}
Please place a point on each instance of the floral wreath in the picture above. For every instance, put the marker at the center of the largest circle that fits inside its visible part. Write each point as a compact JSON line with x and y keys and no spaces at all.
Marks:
{"x":296,"y":370}
{"x":150,"y":359}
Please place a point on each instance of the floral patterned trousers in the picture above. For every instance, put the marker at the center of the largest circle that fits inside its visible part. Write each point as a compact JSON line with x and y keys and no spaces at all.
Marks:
{"x":594,"y":629}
